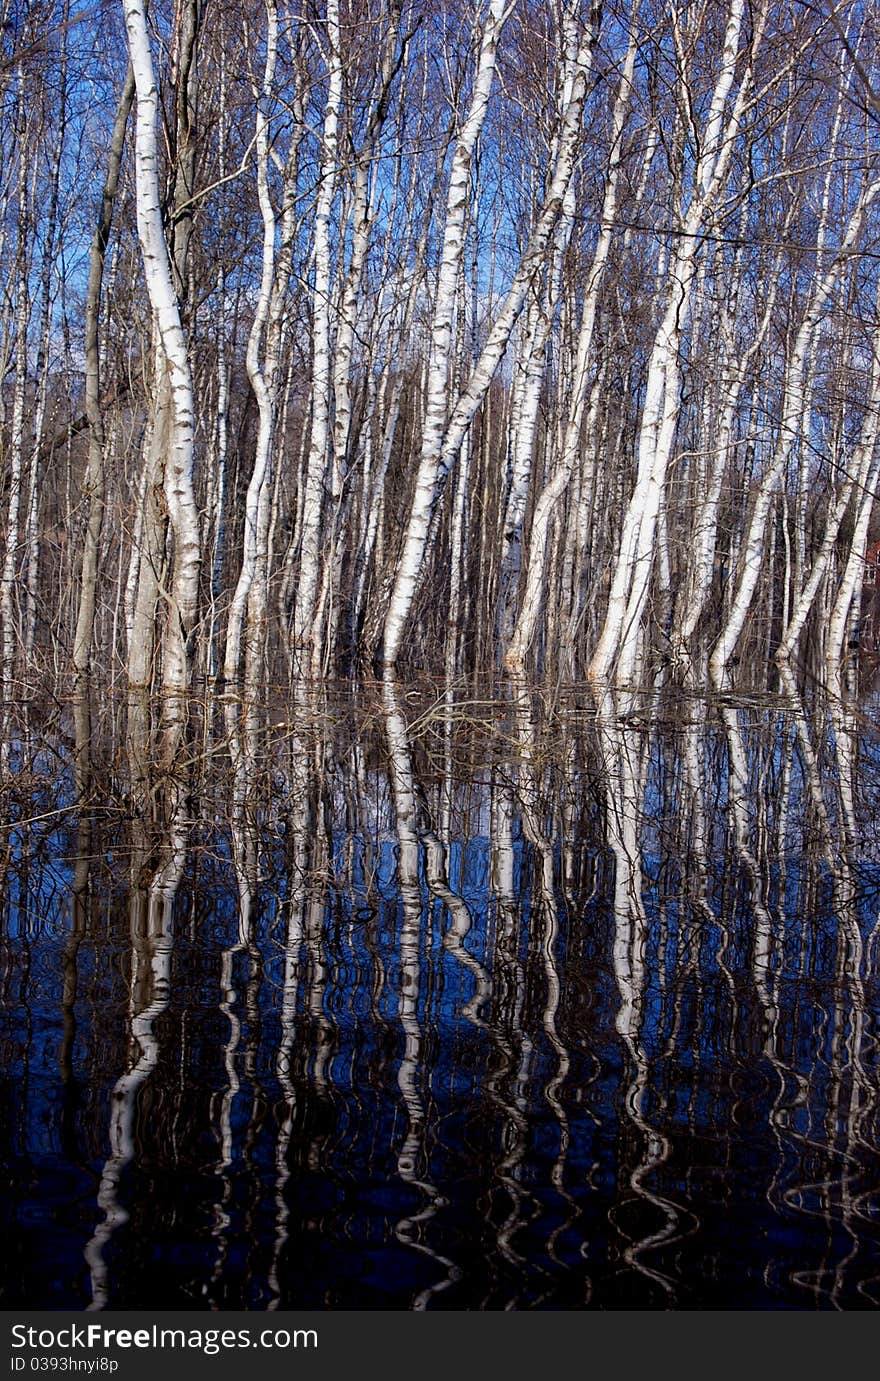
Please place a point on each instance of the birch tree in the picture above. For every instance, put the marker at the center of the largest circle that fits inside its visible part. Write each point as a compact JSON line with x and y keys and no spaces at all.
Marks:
{"x":173,"y":420}
{"x":322,"y":374}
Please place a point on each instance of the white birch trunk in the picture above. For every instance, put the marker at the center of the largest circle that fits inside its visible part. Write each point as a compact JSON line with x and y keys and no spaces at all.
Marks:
{"x":16,"y":440}
{"x":306,"y":594}
{"x":178,"y":458}
{"x":525,"y":404}
{"x":701,"y":559}
{"x":32,"y":532}
{"x":263,"y":390}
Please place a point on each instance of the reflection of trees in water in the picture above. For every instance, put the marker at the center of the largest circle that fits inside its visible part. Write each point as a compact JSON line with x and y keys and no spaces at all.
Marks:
{"x":152,"y":940}
{"x":413,"y":1157}
{"x":502,"y":1019}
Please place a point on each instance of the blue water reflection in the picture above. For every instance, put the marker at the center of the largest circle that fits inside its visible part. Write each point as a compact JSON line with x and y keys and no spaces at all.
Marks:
{"x":584,"y":1026}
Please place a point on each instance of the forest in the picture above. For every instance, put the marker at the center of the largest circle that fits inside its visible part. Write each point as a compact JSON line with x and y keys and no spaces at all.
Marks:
{"x":439,"y":630}
{"x":431,"y":336}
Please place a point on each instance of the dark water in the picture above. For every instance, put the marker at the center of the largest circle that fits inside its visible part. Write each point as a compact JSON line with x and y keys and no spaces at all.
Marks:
{"x":475,"y":1008}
